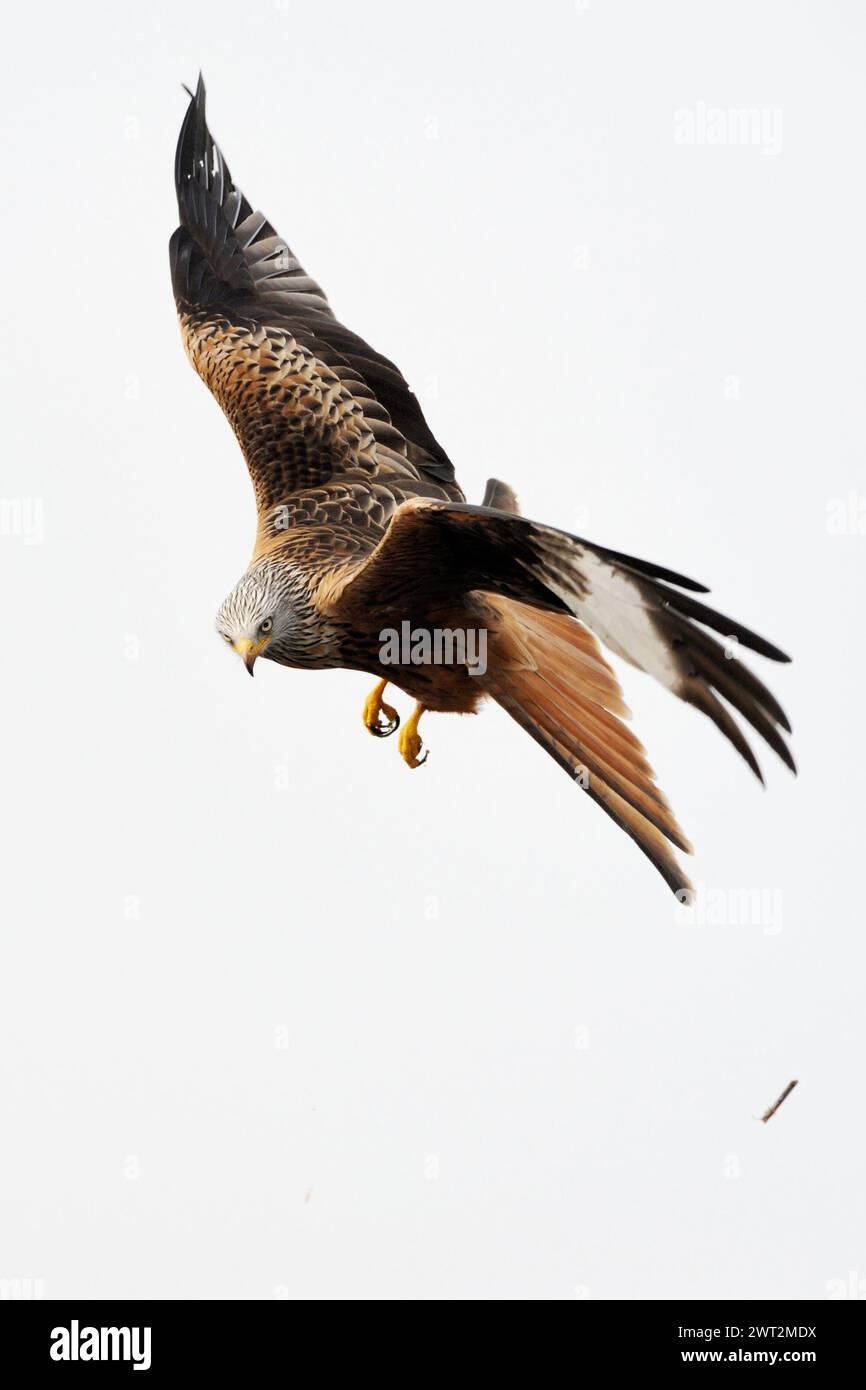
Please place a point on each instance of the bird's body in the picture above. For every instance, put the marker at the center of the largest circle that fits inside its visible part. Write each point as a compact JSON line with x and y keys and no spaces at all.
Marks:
{"x":364,"y":530}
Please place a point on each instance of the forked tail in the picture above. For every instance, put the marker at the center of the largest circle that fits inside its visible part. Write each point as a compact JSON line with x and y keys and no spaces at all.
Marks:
{"x":560,"y":689}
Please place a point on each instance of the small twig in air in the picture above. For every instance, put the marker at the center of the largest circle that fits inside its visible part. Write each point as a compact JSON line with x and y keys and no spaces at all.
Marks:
{"x":768,"y":1114}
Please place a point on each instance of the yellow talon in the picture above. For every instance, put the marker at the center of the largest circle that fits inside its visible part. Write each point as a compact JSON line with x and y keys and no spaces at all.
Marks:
{"x":374,"y":705}
{"x":410,"y":740}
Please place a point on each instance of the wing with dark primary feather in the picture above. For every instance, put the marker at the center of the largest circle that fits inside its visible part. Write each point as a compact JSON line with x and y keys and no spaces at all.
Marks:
{"x":644,"y":613}
{"x":552,"y":592}
{"x":313,"y":406}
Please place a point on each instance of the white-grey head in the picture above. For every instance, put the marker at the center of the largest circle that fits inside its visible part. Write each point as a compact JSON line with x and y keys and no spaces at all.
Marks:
{"x":258,"y":616}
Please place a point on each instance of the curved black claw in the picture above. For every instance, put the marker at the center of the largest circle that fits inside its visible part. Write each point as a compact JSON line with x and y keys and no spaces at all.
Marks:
{"x":385,"y":730}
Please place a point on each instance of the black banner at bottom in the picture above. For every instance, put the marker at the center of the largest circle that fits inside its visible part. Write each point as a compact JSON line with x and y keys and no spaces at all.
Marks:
{"x":153,"y":1338}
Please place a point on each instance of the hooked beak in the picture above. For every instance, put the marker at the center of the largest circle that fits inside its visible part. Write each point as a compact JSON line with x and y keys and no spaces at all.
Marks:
{"x":249,"y":650}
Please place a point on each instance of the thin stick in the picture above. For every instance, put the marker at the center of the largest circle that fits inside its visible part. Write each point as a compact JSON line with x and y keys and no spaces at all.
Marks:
{"x":768,"y":1114}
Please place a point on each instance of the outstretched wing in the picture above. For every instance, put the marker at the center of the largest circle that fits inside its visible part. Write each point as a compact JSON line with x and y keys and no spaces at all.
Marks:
{"x":309,"y":401}
{"x":644,"y":613}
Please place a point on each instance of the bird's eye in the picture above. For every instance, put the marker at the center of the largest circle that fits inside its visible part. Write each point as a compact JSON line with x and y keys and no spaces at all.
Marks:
{"x":226,"y":637}
{"x":266,"y":625}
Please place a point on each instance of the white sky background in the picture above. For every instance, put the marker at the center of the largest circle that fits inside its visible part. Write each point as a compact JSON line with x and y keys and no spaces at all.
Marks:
{"x":277,"y":1015}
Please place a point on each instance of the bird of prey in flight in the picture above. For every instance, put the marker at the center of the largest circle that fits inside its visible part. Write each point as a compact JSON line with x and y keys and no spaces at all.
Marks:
{"x":362,"y":527}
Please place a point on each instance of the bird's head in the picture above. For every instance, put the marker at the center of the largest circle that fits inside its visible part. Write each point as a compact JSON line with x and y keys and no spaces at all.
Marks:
{"x":256,"y":617}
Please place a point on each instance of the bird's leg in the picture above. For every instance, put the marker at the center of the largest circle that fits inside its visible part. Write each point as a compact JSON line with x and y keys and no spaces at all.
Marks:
{"x":374,"y":705}
{"x":410,"y":740}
